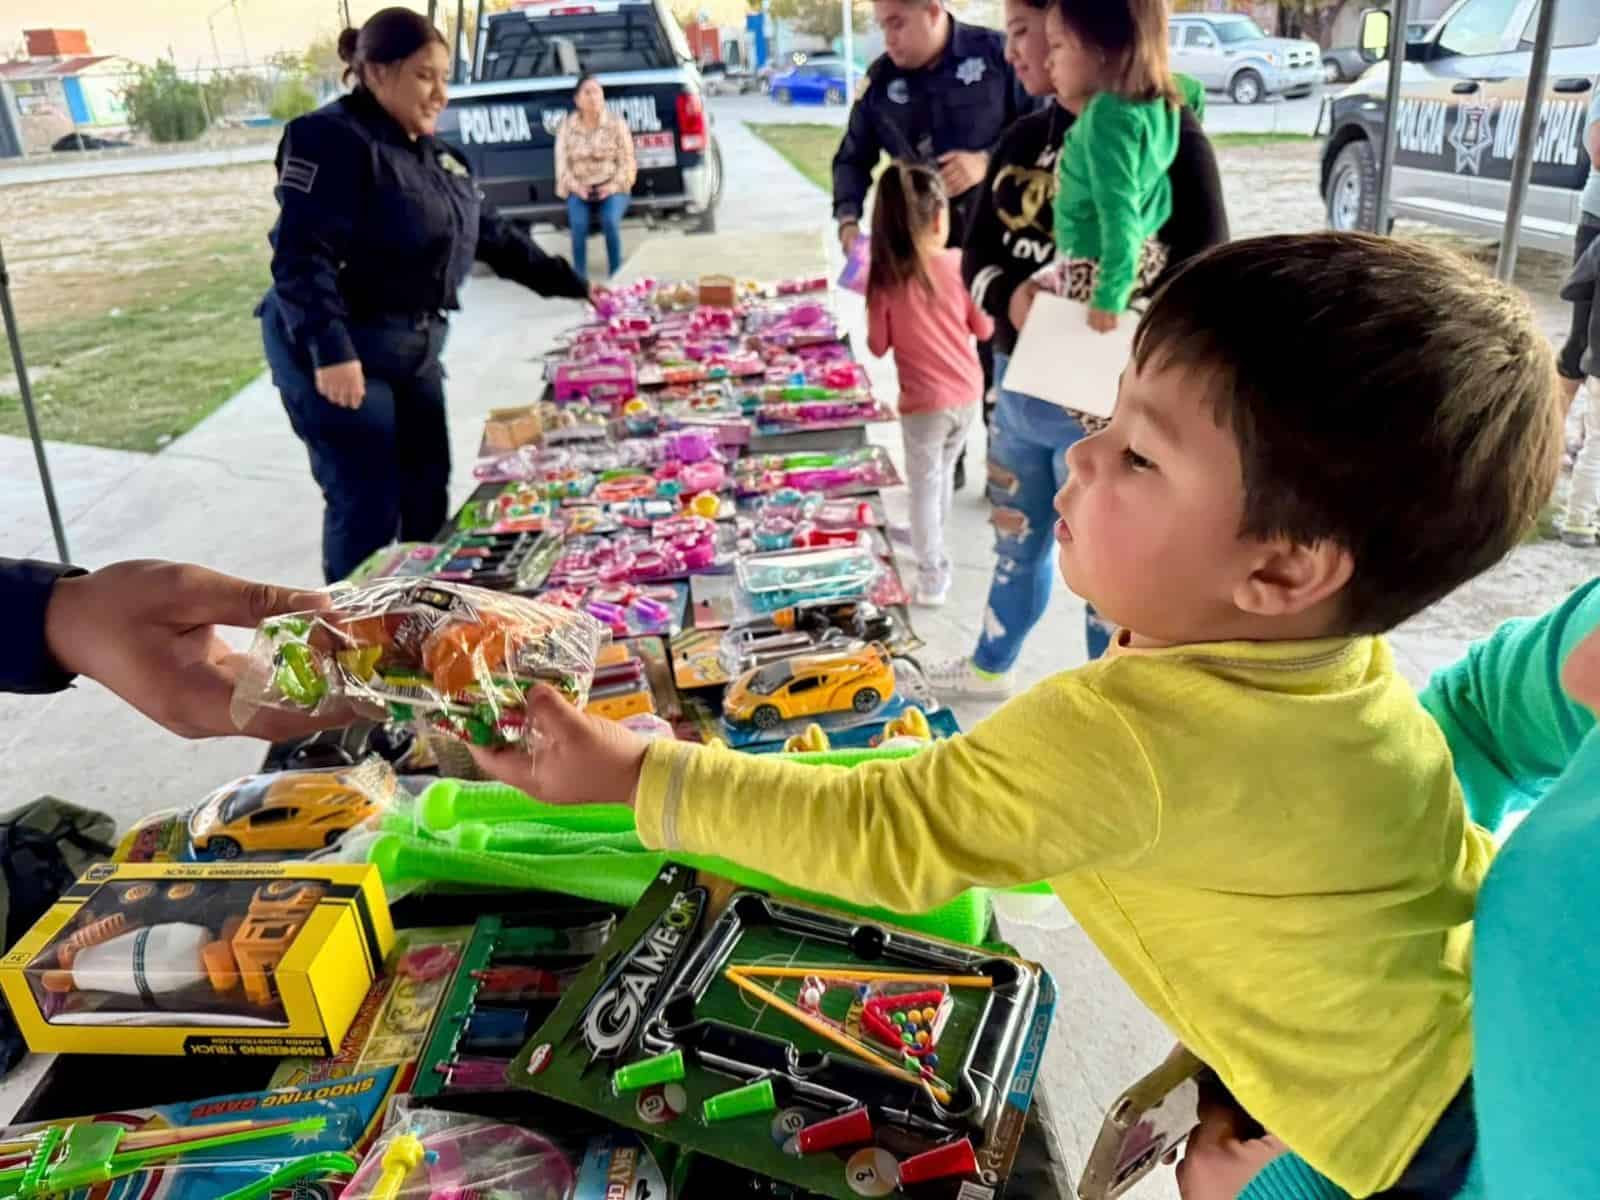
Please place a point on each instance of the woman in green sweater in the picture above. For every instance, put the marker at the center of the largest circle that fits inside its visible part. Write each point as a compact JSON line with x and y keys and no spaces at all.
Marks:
{"x":1114,"y":193}
{"x":1518,"y":712}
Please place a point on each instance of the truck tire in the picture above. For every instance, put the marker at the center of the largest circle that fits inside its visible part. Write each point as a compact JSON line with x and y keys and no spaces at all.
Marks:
{"x":1332,"y":72}
{"x":708,"y":219}
{"x":834,"y":96}
{"x":783,"y":96}
{"x":1353,"y":188}
{"x":1247,"y":88}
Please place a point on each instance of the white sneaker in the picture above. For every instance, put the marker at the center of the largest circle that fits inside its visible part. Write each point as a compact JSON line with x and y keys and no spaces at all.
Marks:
{"x":959,"y":677}
{"x":926,"y":595}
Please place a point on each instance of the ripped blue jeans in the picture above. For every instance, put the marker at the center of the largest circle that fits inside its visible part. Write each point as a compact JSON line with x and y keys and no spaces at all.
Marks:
{"x":1028,"y":444}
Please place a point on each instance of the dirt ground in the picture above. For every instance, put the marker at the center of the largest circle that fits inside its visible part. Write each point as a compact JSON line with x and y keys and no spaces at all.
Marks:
{"x":84,"y":246}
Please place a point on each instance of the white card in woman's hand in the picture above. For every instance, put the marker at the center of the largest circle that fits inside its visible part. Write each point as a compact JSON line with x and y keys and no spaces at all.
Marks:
{"x":1060,"y":359}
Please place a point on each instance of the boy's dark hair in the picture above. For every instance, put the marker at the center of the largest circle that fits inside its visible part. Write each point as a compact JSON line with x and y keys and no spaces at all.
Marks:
{"x":1386,"y":396}
{"x":910,"y":198}
{"x":1132,"y":37}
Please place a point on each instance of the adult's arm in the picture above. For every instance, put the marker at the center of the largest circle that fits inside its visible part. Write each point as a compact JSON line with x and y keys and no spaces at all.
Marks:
{"x":1199,"y":218}
{"x":26,"y":664}
{"x":323,"y":177}
{"x":853,"y":163}
{"x":1511,"y":727}
{"x":628,"y":169}
{"x":511,"y":254}
{"x":986,"y":256}
{"x":565,"y":184}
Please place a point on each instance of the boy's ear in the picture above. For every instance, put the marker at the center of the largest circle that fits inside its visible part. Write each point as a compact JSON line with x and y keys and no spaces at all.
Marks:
{"x":1289,"y":578}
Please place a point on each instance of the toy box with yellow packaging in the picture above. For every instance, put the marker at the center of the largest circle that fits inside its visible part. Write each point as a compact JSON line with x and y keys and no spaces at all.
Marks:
{"x":212,"y":959}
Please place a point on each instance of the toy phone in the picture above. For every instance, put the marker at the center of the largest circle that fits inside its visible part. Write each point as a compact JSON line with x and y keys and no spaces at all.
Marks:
{"x":1150,"y":1119}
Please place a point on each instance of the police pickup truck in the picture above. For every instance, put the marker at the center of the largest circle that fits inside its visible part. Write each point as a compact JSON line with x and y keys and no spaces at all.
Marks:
{"x":1462,"y":92}
{"x":524,"y":71}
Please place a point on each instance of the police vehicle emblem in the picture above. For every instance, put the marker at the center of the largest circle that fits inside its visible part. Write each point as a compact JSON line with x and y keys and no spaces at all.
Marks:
{"x":971,"y":70}
{"x":1473,"y":134}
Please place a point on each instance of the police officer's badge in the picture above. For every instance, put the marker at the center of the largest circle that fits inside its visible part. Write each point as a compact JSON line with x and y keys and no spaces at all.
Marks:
{"x":453,"y":165}
{"x":971,"y":70}
{"x":898,"y":92}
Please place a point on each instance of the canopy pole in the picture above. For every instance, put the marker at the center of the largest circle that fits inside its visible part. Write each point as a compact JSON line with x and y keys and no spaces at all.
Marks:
{"x":26,"y":392}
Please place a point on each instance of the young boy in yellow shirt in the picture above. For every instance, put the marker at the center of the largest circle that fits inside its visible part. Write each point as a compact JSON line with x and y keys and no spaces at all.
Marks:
{"x":1243,"y":804}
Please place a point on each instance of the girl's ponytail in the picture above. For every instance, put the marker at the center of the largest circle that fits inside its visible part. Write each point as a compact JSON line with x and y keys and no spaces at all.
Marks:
{"x":909,"y":200}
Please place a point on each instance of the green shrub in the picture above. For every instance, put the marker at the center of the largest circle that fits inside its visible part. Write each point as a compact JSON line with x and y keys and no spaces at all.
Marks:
{"x":168,"y":108}
{"x":292,"y":99}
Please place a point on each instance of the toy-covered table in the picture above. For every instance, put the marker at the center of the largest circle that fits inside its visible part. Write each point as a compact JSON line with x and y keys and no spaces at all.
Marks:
{"x":76,"y":1085}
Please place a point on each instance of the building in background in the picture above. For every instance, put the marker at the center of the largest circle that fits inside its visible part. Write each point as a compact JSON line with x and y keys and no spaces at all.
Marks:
{"x":63,"y":87}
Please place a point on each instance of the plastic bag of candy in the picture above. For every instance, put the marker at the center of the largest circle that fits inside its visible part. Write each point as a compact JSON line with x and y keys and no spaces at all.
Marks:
{"x":457,"y":660}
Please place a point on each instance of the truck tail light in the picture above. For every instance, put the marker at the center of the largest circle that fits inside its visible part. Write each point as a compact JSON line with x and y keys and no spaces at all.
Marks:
{"x":691,"y":122}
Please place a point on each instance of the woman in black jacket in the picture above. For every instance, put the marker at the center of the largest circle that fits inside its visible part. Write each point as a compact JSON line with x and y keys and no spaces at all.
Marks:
{"x":378,"y":227}
{"x":1010,"y":240}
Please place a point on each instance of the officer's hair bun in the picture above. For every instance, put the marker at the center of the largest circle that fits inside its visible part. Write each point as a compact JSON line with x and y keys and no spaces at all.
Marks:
{"x":347,"y":45}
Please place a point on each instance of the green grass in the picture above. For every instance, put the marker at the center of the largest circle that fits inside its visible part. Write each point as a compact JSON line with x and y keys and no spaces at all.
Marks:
{"x":1261,"y":139}
{"x":178,"y":340}
{"x":808,"y":148}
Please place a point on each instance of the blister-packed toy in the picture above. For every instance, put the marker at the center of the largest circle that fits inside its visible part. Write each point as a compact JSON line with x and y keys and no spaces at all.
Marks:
{"x":455,"y":658}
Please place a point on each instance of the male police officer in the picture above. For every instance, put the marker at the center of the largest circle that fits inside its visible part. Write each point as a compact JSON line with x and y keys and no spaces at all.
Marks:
{"x":942,"y":93}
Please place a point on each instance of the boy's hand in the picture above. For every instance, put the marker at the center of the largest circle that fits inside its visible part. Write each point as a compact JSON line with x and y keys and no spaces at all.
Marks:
{"x":1217,"y":1164}
{"x":1101,"y":321}
{"x":571,"y":758}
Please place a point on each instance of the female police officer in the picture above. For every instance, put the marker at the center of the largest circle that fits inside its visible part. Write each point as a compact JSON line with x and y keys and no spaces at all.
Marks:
{"x":378,"y":227}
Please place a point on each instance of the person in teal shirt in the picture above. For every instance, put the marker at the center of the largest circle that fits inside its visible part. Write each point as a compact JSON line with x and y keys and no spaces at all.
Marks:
{"x":1522,"y":742}
{"x":1108,"y":63}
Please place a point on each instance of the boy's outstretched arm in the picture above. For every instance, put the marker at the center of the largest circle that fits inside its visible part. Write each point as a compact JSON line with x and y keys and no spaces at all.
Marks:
{"x":1053,"y":782}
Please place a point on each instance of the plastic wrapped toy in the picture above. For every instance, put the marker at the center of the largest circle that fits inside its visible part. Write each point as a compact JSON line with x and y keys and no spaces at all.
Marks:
{"x":789,"y":577}
{"x":458,"y":659}
{"x":429,"y":1155}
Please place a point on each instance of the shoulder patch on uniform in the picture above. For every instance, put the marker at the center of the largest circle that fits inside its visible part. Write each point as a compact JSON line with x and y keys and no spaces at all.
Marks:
{"x":298,"y":173}
{"x":971,"y":70}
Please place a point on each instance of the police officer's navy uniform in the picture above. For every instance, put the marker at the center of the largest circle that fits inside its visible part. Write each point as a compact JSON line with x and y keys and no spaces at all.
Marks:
{"x":963,"y":100}
{"x":375,"y":236}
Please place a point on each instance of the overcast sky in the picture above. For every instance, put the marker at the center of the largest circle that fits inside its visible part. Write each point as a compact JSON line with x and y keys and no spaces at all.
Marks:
{"x":144,"y":29}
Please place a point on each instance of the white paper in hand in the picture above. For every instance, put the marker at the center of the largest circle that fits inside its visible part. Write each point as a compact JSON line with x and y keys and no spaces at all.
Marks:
{"x":1060,"y":359}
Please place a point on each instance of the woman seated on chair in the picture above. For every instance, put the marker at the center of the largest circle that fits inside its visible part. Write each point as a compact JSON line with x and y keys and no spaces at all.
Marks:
{"x":594,"y":171}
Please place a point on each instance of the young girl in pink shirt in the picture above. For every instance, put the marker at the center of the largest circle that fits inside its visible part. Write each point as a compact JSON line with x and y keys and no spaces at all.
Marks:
{"x":918,"y":307}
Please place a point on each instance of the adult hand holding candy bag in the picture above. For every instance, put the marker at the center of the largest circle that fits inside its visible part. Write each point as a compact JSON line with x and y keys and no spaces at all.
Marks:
{"x":456,"y":659}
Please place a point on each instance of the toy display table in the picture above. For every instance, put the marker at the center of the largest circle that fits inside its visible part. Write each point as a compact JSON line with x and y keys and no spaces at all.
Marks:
{"x":72,"y":1085}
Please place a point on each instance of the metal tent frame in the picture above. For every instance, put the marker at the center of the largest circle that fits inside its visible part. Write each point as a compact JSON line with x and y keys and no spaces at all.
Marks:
{"x":1527,"y":132}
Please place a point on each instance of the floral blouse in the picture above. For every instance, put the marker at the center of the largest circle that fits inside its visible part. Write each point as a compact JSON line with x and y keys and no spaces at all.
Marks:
{"x":587,"y":157}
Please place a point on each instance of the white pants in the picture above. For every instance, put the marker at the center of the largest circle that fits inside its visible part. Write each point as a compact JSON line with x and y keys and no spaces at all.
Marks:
{"x":1583,"y":497}
{"x":933,"y":442}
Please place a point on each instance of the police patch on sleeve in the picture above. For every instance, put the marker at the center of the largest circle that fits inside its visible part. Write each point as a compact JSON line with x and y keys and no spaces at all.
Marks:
{"x":298,"y":173}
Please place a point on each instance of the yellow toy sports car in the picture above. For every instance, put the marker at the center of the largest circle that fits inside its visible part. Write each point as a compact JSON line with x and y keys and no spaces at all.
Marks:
{"x":295,"y":811}
{"x":858,"y":678}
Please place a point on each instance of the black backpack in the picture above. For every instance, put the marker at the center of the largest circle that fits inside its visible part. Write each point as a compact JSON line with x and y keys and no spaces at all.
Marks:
{"x":44,"y":847}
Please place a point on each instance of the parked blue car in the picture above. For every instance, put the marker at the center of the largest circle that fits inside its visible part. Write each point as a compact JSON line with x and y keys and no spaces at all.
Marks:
{"x":815,"y":81}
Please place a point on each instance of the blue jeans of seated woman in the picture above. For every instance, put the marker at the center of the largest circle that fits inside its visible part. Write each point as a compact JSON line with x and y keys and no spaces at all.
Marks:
{"x":580,"y":218}
{"x":1028,"y":444}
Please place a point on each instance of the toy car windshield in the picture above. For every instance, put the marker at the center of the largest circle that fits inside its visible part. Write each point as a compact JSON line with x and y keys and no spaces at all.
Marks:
{"x":771,"y":677}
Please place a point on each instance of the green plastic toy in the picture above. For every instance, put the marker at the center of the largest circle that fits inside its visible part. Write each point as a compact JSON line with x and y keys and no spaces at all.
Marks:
{"x":329,"y":1162}
{"x":86,"y":1153}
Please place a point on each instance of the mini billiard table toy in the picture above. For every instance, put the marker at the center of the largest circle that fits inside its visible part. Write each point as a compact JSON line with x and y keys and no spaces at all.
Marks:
{"x":846,"y":1058}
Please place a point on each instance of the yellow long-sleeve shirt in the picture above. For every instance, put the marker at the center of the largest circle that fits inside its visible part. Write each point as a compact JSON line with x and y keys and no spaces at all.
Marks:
{"x":1265,"y":839}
